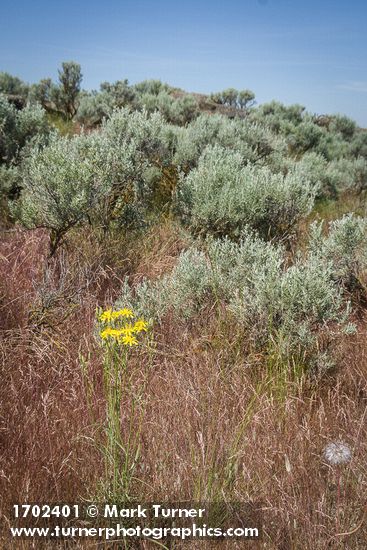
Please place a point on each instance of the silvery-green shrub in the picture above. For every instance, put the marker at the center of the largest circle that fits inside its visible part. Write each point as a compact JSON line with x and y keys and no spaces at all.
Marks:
{"x":217,"y":270}
{"x":119,"y":94}
{"x":358,"y":146}
{"x":276,"y":115}
{"x":348,"y":174}
{"x":176,"y":111}
{"x":255,"y":143}
{"x":93,"y":108}
{"x":270,"y":297}
{"x":344,"y":248}
{"x":333,"y":146}
{"x":10,"y":182}
{"x":152,"y":86}
{"x":149,"y":133}
{"x":193,"y":139}
{"x":331,"y":178}
{"x":240,"y":99}
{"x":222,"y":197}
{"x":13,"y":86}
{"x":32,"y":124}
{"x":183,"y":110}
{"x":305,"y":136}
{"x":343,"y":125}
{"x":19,"y":128}
{"x":8,"y":130}
{"x":42,"y":92}
{"x":270,"y":300}
{"x":304,"y":133}
{"x":64,"y":182}
{"x":184,"y":290}
{"x":59,"y":184}
{"x":319,"y":172}
{"x":154,"y":142}
{"x":102,"y":178}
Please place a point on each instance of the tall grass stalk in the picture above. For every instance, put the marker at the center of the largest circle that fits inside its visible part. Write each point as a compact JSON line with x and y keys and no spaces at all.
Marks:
{"x":122,"y":443}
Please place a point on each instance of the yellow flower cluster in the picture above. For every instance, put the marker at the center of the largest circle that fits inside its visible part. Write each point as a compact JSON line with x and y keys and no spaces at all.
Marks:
{"x":109,"y":315}
{"x":125,"y":334}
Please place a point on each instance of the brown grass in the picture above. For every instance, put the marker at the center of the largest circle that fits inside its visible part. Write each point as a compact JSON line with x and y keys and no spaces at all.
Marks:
{"x":215,"y":423}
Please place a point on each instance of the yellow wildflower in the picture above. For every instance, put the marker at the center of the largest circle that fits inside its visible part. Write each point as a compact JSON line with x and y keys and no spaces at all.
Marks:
{"x":106,"y":333}
{"x":125,"y":312}
{"x":122,"y":331}
{"x":109,"y":315}
{"x":106,"y":316}
{"x":128,"y":329}
{"x":129,"y":340}
{"x":113,"y":332}
{"x":140,"y":325}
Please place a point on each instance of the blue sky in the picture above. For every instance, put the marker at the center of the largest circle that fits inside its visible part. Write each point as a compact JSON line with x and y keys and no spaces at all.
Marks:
{"x":312,"y":52}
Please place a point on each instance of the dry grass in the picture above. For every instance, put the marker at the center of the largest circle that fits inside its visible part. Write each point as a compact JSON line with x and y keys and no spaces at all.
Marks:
{"x":216,"y":424}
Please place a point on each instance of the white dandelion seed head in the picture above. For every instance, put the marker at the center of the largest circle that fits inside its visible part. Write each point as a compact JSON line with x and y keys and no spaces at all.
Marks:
{"x":337,"y":453}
